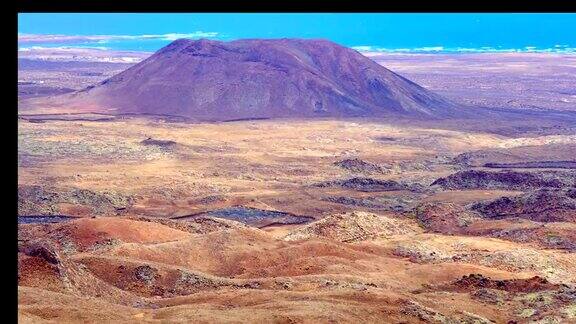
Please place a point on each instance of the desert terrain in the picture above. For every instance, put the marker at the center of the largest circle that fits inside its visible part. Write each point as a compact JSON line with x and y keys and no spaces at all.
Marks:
{"x":131,"y":218}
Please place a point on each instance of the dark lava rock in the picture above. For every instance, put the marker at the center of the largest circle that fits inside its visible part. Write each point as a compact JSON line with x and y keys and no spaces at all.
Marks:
{"x":473,"y":159}
{"x":357,"y":165}
{"x":254,"y":216}
{"x":145,"y":273}
{"x":557,"y":156}
{"x":567,"y":294}
{"x":545,"y":205}
{"x":372,"y":185}
{"x":508,"y":180}
{"x":444,"y":218}
{"x":41,"y":251}
{"x":383,"y":203}
{"x":534,"y":164}
{"x":351,"y":201}
{"x":160,"y":143}
{"x":386,"y":139}
{"x":489,"y":296}
{"x":212,"y":199}
{"x":476,"y":281}
{"x":43,"y":219}
{"x":44,"y":201}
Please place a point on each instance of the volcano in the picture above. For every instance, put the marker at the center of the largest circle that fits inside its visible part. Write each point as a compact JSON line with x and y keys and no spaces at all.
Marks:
{"x":210,"y":80}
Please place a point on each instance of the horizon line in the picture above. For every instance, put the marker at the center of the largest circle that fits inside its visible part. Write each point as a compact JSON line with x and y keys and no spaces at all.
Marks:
{"x":366,"y":50}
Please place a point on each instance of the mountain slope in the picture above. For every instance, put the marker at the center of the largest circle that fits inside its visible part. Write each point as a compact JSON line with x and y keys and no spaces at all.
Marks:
{"x":212,"y":80}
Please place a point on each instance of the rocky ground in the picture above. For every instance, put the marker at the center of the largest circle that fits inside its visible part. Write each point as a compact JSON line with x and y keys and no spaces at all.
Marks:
{"x":126,"y":219}
{"x":514,"y":80}
{"x":152,"y":220}
{"x":39,"y":77}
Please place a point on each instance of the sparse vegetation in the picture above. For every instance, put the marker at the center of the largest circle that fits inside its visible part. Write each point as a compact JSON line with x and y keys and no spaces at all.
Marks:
{"x":156,"y":218}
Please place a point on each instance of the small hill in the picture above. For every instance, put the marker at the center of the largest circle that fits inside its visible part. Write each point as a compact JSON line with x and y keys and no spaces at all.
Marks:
{"x":353,"y":227}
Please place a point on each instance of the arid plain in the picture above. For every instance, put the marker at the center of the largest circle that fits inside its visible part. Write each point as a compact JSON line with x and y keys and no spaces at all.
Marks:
{"x":160,"y":219}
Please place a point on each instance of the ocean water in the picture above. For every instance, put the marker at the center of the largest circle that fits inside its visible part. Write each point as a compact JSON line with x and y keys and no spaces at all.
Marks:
{"x":429,"y":33}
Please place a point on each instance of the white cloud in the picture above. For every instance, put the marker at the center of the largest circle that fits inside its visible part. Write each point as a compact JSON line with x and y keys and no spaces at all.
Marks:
{"x":86,"y":54}
{"x":375,"y":50}
{"x":364,"y":48}
{"x":54,"y":38}
{"x":62,"y":48}
{"x":430,"y":49}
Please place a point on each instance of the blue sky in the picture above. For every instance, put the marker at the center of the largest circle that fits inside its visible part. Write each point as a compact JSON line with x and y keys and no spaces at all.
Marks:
{"x":404,"y":32}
